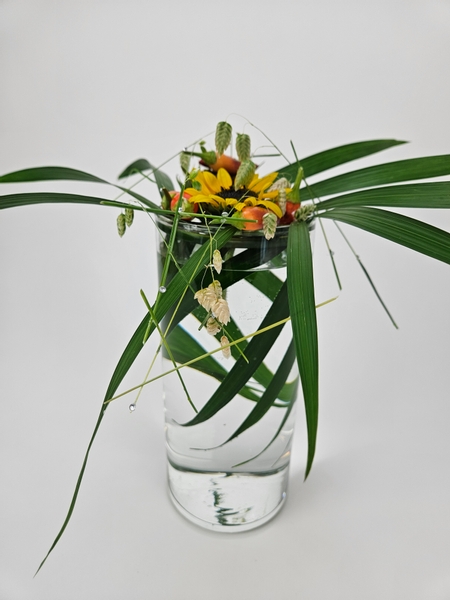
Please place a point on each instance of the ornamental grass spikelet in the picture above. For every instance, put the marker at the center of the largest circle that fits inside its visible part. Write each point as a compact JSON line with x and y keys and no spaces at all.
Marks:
{"x":269,"y":225}
{"x":223,"y":137}
{"x":121,"y":224}
{"x":245,"y":174}
{"x":221,"y":311}
{"x":217,"y":261}
{"x":212,"y":326}
{"x":129,"y":216}
{"x":226,"y":351}
{"x":243,"y":146}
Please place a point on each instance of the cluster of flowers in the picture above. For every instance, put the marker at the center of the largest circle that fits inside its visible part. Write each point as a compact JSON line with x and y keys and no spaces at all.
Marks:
{"x":231,"y":187}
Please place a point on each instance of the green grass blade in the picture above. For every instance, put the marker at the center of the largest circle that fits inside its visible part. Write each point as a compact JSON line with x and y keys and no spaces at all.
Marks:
{"x":236,"y":269}
{"x":413,"y":195}
{"x":185,"y":348}
{"x":15,"y":200}
{"x":167,"y":300}
{"x":317,"y":163}
{"x":403,"y":230}
{"x":49,"y":174}
{"x":304,"y":326}
{"x":241,"y":372}
{"x":266,"y":282}
{"x":270,"y":395}
{"x":77,"y":488}
{"x":393,"y":172}
{"x":174,"y":289}
{"x":288,"y":411}
{"x":142,"y":164}
{"x":139,"y":197}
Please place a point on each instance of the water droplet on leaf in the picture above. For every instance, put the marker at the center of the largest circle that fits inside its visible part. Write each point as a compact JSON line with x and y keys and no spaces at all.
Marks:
{"x":132,"y":407}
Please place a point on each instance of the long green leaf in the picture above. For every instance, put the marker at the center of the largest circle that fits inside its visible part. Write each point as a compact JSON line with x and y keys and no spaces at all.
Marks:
{"x":413,"y":195}
{"x":266,"y":282}
{"x":15,"y":200}
{"x":393,"y":172}
{"x":142,"y":164}
{"x":242,"y":370}
{"x":236,"y":270}
{"x":288,"y":411}
{"x":304,"y":326}
{"x":49,"y":174}
{"x":185,"y":348}
{"x":403,"y":230}
{"x":269,"y":397}
{"x":174,"y":290}
{"x":317,"y":163}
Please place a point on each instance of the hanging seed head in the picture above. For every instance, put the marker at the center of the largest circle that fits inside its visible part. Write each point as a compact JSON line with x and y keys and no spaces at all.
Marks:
{"x":223,"y":136}
{"x":129,"y":216}
{"x":185,"y":161}
{"x":280,"y":184}
{"x":217,"y":260}
{"x":221,"y":311}
{"x":245,"y":174}
{"x":282,"y":200}
{"x":121,"y":224}
{"x":243,"y":146}
{"x":224,"y":341}
{"x":305,"y":212}
{"x":212,"y":326}
{"x":269,"y":225}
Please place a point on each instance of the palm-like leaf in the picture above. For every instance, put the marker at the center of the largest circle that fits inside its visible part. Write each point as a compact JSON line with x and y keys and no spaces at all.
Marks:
{"x":304,"y":326}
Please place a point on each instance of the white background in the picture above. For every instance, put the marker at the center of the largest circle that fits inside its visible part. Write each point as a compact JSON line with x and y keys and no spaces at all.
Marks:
{"x":97,"y":84}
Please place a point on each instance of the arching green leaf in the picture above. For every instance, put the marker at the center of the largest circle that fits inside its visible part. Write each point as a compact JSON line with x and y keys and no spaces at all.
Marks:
{"x":304,"y":326}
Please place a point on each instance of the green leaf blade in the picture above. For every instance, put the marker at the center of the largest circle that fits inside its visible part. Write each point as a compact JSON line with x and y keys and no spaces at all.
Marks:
{"x":26,"y":199}
{"x":271,"y":393}
{"x":413,"y":195}
{"x":384,"y":174}
{"x":142,"y":164}
{"x":133,"y":348}
{"x":304,"y":326}
{"x":322,"y":161}
{"x":49,"y":174}
{"x":243,"y":370}
{"x":402,"y":230}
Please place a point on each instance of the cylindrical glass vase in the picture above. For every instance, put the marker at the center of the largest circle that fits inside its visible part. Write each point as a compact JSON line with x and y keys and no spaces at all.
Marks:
{"x":229,"y":421}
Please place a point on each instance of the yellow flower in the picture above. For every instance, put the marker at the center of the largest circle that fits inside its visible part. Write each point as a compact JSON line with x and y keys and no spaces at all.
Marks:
{"x":218,"y":191}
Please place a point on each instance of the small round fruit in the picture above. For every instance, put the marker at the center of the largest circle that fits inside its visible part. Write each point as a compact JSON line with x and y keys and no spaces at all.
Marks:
{"x":253,"y":212}
{"x":186,"y":206}
{"x":288,"y":216}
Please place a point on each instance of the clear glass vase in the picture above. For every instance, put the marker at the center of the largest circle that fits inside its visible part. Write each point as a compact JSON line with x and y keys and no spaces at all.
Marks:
{"x":216,"y":482}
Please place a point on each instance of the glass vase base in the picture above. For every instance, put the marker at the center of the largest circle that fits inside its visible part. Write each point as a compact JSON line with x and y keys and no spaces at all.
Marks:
{"x":228,"y":502}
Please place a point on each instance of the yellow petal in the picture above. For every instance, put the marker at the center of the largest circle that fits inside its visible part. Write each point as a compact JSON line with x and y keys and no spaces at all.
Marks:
{"x":192,"y":191}
{"x":263,"y":183}
{"x":266,"y":195}
{"x":224,"y":179}
{"x":211,"y":182}
{"x":205,"y":200}
{"x":272,"y":206}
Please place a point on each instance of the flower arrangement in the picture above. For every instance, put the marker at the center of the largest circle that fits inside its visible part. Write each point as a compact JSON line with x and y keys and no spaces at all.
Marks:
{"x":208,"y":229}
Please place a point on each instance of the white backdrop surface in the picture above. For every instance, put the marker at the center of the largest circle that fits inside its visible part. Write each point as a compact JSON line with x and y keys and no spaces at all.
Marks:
{"x":96,"y":84}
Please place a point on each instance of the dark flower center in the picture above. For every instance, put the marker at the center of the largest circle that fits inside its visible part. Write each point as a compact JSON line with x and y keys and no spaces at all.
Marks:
{"x":236,"y":194}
